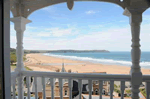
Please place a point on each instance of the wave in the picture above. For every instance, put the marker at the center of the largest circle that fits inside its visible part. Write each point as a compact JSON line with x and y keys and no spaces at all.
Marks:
{"x":104,"y":61}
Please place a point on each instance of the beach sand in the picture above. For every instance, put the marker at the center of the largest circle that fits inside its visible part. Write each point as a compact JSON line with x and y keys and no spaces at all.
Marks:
{"x":33,"y":61}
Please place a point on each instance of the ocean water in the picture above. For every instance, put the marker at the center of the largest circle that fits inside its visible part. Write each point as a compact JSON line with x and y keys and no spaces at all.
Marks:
{"x":111,"y":58}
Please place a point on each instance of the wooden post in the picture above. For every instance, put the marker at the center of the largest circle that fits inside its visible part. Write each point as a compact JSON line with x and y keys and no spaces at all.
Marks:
{"x":20,"y":26}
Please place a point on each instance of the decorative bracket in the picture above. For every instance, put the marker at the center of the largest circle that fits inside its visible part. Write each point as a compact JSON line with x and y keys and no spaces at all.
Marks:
{"x":70,"y":4}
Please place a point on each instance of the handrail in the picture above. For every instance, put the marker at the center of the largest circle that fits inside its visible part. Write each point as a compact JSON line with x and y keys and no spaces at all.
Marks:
{"x":80,"y":76}
{"x":116,"y":77}
{"x":146,"y":78}
{"x":14,"y":74}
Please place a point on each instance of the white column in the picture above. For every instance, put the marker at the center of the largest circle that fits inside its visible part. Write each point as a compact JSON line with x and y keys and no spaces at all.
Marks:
{"x":20,"y":26}
{"x":136,"y":74}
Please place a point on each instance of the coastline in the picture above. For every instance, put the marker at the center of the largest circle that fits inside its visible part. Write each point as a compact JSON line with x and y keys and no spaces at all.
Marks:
{"x":54,"y":63}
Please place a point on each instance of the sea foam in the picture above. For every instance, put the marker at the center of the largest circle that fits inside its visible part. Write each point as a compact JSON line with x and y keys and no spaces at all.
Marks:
{"x":103,"y":61}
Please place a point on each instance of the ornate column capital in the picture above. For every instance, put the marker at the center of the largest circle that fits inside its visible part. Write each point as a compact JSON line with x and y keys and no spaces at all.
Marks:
{"x":135,"y":15}
{"x":20,"y":26}
{"x":20,"y":23}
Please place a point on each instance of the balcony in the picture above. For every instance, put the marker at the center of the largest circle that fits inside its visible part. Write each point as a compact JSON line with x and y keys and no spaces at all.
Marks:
{"x":70,"y":76}
{"x":21,"y":9}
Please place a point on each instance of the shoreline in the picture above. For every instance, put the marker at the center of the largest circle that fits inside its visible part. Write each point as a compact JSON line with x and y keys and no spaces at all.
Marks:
{"x":98,"y":60}
{"x":89,"y":67}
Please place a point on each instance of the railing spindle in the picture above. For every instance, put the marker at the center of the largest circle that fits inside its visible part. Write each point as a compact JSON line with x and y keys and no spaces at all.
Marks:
{"x":70,"y":88}
{"x":147,"y":90}
{"x":35,"y":84}
{"x":111,"y":89}
{"x":90,"y":89}
{"x":80,"y":88}
{"x":122,"y":89}
{"x":100,"y":88}
{"x":43,"y":83}
{"x":14,"y":92}
{"x":52,"y":87}
{"x":61,"y":88}
{"x":28,"y":86}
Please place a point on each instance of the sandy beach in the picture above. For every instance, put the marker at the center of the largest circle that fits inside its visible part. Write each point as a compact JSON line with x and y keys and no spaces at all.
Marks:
{"x":39,"y":62}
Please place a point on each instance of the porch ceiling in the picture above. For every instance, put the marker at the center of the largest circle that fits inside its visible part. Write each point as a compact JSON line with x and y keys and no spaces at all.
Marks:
{"x":25,"y":7}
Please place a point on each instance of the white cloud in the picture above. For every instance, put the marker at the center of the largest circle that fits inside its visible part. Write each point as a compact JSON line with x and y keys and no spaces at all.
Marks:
{"x":50,"y":9}
{"x":90,"y":12}
{"x":111,"y":39}
{"x":44,"y":34}
{"x":57,"y":32}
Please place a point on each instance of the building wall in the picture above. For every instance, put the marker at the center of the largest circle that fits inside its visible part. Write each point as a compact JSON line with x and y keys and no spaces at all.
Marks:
{"x":56,"y":90}
{"x":105,"y":87}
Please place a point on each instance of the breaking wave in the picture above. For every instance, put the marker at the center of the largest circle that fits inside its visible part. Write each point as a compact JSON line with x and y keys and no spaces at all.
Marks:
{"x":103,"y":61}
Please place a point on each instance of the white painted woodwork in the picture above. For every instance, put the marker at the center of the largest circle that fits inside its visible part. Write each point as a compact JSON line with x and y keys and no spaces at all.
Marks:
{"x":20,"y":26}
{"x":43,"y":84}
{"x":90,"y":88}
{"x":31,"y":6}
{"x":14,"y":84}
{"x":148,"y":90}
{"x":28,"y":86}
{"x":52,"y":87}
{"x":35,"y":84}
{"x":122,"y":88}
{"x":111,"y":89}
{"x":123,"y":78}
{"x":117,"y":77}
{"x":133,"y":9}
{"x":20,"y":85}
{"x":80,"y":88}
{"x":61,"y":88}
{"x":70,"y":88}
{"x":100,"y":88}
{"x":136,"y":75}
{"x":14,"y":75}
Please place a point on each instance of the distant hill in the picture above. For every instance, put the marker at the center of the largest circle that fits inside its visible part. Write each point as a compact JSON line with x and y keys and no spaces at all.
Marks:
{"x":64,"y":51}
{"x":58,"y":51}
{"x":12,"y":50}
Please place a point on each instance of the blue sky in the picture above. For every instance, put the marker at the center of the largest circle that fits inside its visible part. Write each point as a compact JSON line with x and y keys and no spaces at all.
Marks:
{"x":89,"y":25}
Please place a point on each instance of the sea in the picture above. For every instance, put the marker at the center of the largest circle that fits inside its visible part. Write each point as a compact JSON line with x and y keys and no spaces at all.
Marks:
{"x":110,"y":58}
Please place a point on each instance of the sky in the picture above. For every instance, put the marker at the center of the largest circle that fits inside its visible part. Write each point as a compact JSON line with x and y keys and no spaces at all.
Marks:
{"x":88,"y":26}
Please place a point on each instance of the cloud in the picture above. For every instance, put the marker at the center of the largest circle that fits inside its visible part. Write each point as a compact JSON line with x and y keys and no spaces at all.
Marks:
{"x":91,"y":12}
{"x":44,"y":34}
{"x":58,"y":32}
{"x":54,"y":14}
{"x":50,"y":9}
{"x":113,"y":39}
{"x":122,"y":21}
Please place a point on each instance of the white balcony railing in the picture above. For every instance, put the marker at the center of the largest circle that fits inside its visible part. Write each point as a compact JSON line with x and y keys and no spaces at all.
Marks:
{"x":70,"y":77}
